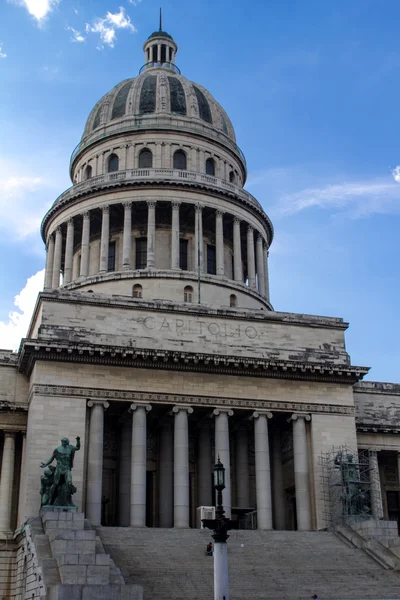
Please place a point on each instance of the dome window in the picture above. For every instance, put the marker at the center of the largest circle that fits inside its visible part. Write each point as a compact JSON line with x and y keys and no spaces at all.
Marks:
{"x":204,"y":107}
{"x":188,"y":294}
{"x":113,"y":163}
{"x":137,"y":291}
{"x":88,"y":172}
{"x":177,"y":96}
{"x":145,"y":159}
{"x":232,"y":178}
{"x":210,"y":167}
{"x":119,"y":107}
{"x":180,"y":161}
{"x":232,"y":300}
{"x":148,"y":95}
{"x":96,"y":122}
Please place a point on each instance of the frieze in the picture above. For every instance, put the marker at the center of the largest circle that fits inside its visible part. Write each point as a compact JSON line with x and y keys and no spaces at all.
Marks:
{"x":155,"y":398}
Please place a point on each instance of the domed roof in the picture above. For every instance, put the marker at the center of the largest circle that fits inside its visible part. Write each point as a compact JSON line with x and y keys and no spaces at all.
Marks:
{"x":160,"y":34}
{"x":159,"y":98}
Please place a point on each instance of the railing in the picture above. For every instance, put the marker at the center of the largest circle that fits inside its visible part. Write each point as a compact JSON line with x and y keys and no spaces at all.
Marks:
{"x":248,"y":521}
{"x":160,"y":65}
{"x":157,"y":174}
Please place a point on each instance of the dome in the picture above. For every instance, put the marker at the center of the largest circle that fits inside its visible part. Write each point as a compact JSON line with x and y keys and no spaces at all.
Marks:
{"x":160,"y":34}
{"x":159,"y":95}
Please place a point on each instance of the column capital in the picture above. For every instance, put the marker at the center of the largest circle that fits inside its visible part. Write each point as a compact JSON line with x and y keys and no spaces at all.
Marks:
{"x":58,"y":230}
{"x":92,"y":403}
{"x":9,"y":433}
{"x":127,"y":204}
{"x":176,"y":204}
{"x":199,"y":207}
{"x":237,"y":220}
{"x":297,"y":416}
{"x":219,"y":213}
{"x":70,"y":221}
{"x":250,"y":229}
{"x":260,"y":238}
{"x":219,"y":411}
{"x":151,"y":203}
{"x":86,"y":214}
{"x":188,"y":409}
{"x":137,"y":405}
{"x":261,"y":413}
{"x":105,"y":209}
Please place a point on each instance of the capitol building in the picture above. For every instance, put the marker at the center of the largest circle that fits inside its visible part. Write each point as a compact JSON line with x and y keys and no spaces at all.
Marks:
{"x":156,"y":341}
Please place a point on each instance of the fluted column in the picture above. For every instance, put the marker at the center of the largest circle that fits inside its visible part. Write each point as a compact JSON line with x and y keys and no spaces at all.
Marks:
{"x":95,"y":461}
{"x":263,"y":470}
{"x":277,"y":481}
{"x":260,"y":265}
{"x":138,"y":464}
{"x":166,"y":491}
{"x":124,"y":491}
{"x":242,"y":468}
{"x":251,"y":268}
{"x":84,"y":267}
{"x":237,"y":251}
{"x":127,"y":236}
{"x":301,"y":472}
{"x":104,"y":241}
{"x":222,"y":451}
{"x":21,"y":514}
{"x":151,"y":235}
{"x":198,"y":237}
{"x":48,"y":278}
{"x":376,"y":491}
{"x":205,"y":464}
{"x":181,"y":466}
{"x":219,"y":238}
{"x":57,"y":259}
{"x":175,"y":236}
{"x":69,"y":252}
{"x":7,"y":480}
{"x":266,"y":272}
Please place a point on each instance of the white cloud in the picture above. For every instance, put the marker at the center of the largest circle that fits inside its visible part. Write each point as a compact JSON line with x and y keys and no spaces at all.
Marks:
{"x":106,"y":27}
{"x":38,"y":8}
{"x":76,"y":35}
{"x":2,"y":54}
{"x":17,"y":325}
{"x":396,"y":173}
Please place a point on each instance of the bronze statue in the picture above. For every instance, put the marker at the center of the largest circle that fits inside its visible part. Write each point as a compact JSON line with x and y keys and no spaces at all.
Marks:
{"x":56,"y":482}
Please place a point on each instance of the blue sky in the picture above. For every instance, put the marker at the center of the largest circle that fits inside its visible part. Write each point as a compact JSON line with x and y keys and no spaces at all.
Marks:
{"x":312,"y":89}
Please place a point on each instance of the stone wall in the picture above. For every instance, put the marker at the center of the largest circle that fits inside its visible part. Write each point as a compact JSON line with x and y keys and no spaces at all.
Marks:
{"x":377,"y":406}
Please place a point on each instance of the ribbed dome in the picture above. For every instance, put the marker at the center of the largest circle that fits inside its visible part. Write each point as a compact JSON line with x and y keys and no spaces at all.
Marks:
{"x":158,"y":93}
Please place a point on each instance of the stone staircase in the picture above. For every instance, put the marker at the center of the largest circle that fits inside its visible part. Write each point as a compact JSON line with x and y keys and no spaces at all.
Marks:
{"x":275,"y":565}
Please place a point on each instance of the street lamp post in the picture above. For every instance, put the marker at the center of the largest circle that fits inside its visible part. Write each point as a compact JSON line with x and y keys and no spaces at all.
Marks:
{"x":221,"y":525}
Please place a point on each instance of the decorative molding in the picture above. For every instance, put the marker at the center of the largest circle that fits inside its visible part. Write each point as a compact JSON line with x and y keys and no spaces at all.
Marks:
{"x":186,"y":401}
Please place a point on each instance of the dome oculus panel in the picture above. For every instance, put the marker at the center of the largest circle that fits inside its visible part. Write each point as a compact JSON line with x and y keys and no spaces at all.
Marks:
{"x":119,"y":107}
{"x":177,"y":96}
{"x":148,"y":95}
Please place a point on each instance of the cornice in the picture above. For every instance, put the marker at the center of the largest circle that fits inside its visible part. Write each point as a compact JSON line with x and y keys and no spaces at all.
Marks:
{"x":33,"y":350}
{"x":188,"y":400}
{"x":376,"y":428}
{"x":381,"y":388}
{"x":6,"y":405}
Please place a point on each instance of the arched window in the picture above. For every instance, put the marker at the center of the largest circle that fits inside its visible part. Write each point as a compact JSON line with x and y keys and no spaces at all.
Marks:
{"x":113,"y":163}
{"x":137,"y":291}
{"x":210,"y":166}
{"x":180,"y":160}
{"x":145,"y":159}
{"x":232,"y":300}
{"x":88,"y":172}
{"x":232,"y":178}
{"x":188,"y":294}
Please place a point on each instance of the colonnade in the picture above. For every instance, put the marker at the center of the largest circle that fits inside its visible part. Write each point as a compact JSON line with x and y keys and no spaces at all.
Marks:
{"x":173,"y":494}
{"x":256,"y":247}
{"x":8,"y":466}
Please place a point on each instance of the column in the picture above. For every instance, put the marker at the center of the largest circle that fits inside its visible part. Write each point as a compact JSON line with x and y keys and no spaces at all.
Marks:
{"x":175,"y":262}
{"x":21,"y":515}
{"x":151,"y":235}
{"x":95,"y":461}
{"x":237,"y":251}
{"x":57,"y":259}
{"x":69,"y":251}
{"x":263,"y":470}
{"x":251,"y":269}
{"x":198,"y":238}
{"x":7,"y":481}
{"x":48,"y":278}
{"x":219,"y":237}
{"x":124,"y":491}
{"x":222,"y":451}
{"x":266,"y":274}
{"x":166,"y":480}
{"x":301,"y":472}
{"x":158,"y":53}
{"x":260,"y":265}
{"x":96,"y":165}
{"x":277,"y":481}
{"x":181,"y":466}
{"x":242,"y":468}
{"x":376,"y":492}
{"x":127,"y":236}
{"x":205,"y":465}
{"x":104,"y":241}
{"x":138,"y":464}
{"x":84,"y":268}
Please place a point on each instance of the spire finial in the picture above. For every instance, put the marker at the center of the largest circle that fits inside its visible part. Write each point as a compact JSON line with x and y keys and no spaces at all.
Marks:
{"x":160,"y":19}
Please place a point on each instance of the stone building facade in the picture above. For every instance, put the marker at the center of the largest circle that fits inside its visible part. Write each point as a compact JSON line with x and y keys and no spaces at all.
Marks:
{"x":156,"y":342}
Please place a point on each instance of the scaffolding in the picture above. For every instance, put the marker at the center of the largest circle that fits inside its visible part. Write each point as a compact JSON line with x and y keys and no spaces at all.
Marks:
{"x":346,"y":485}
